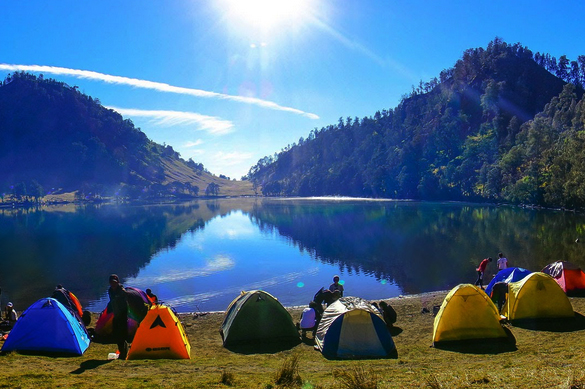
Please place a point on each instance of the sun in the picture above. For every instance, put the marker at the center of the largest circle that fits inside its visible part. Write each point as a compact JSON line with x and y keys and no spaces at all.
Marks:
{"x":268,"y":15}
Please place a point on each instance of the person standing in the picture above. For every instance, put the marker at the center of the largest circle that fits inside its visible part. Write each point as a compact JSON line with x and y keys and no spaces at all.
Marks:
{"x":119,"y":304}
{"x":336,"y":286}
{"x":151,"y":296}
{"x":481,"y":270}
{"x":502,"y":262}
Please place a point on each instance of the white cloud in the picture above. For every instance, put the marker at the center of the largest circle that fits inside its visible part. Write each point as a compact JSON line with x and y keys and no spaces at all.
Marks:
{"x":158,"y":86}
{"x":193,"y":143}
{"x":210,"y":124}
{"x":232,"y":159}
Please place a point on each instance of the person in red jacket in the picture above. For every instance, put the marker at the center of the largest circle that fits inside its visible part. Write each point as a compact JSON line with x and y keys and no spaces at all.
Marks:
{"x":480,"y":270}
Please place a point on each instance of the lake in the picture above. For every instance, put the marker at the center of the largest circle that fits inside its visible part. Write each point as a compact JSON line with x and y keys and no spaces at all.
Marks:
{"x":198,"y":256}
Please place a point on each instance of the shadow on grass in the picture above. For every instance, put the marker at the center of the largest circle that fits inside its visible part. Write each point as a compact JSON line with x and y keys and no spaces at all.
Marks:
{"x":553,"y":325}
{"x":89,"y":365}
{"x":395,"y":331}
{"x":481,"y":346}
{"x":41,"y":353}
{"x":263,"y":348}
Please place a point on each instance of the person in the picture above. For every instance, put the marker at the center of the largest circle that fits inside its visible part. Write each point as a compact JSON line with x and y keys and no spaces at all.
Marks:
{"x":388,"y":313}
{"x":502,"y":262}
{"x":11,"y":315}
{"x":151,"y":296}
{"x":499,"y":294}
{"x":336,"y":286}
{"x":480,"y":270}
{"x":310,"y":318}
{"x":119,"y":305}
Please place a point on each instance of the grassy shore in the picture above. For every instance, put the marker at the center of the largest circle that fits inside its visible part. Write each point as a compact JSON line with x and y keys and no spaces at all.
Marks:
{"x":543,"y":359}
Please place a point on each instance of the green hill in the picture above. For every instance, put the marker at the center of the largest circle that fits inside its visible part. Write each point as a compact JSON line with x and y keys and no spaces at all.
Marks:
{"x":498,"y":126}
{"x":56,"y":139}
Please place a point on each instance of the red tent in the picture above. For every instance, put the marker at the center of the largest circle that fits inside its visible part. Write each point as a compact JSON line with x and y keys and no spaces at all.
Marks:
{"x":568,"y":275}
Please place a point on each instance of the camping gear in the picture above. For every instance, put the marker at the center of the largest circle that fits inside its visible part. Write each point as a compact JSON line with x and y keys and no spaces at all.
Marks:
{"x":257,"y":317}
{"x":511,"y":274}
{"x":536,"y":296}
{"x":160,"y":335}
{"x":467,"y":313}
{"x":138,"y":304}
{"x":351,"y":328}
{"x":47,"y":326}
{"x":569,"y":276}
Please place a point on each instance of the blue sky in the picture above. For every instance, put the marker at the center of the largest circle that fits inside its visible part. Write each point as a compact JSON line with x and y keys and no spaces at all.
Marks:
{"x":227,"y":82}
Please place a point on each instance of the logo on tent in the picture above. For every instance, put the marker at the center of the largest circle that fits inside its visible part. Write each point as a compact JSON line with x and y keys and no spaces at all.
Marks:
{"x":158,"y":322}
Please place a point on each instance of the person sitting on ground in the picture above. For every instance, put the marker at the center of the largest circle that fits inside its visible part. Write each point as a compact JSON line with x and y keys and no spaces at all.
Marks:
{"x":388,"y":313}
{"x":336,"y":286}
{"x":310,"y":319}
{"x":151,"y":296}
{"x":10,"y":316}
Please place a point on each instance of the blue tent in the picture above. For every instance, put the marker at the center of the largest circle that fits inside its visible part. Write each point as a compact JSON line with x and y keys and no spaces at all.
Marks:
{"x":47,"y":326}
{"x":352,"y":328}
{"x":511,"y":274}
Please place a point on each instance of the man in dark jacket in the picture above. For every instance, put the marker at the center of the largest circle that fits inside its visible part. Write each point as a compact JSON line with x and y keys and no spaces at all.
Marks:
{"x":119,"y":304}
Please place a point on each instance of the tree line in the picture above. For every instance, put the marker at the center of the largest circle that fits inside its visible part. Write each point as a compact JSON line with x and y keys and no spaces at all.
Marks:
{"x":498,"y":126}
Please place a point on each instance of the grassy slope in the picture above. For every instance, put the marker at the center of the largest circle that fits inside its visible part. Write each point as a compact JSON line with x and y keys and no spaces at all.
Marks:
{"x":543,"y":359}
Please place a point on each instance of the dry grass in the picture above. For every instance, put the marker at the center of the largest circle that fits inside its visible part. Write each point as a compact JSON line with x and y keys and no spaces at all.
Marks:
{"x":544,"y":358}
{"x":357,"y":377}
{"x":288,"y":375}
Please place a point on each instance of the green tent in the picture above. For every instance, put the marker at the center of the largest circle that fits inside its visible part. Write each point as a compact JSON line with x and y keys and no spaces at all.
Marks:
{"x":257,"y":317}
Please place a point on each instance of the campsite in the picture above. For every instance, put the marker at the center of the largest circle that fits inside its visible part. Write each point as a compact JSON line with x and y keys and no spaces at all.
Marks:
{"x":551,"y":357}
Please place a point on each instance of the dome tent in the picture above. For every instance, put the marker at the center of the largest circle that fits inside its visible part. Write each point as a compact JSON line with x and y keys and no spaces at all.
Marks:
{"x":256,"y":317}
{"x":352,"y":328}
{"x":537,"y":296}
{"x":511,"y":274}
{"x":160,"y":335}
{"x":569,"y":276}
{"x":48,"y":327}
{"x":466,"y":314}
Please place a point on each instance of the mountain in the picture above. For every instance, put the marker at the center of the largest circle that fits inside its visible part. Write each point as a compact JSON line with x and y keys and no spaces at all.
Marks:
{"x":55,"y":138}
{"x":492,"y":128}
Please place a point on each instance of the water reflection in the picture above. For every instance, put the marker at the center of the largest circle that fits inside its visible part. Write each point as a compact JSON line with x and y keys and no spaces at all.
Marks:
{"x":200,"y":255}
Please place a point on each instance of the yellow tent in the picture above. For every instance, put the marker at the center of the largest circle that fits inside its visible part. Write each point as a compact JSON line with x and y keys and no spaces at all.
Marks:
{"x":160,"y":336}
{"x":467,"y":313}
{"x":536,"y":296}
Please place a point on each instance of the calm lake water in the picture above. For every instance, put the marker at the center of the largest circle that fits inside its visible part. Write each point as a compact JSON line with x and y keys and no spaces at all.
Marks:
{"x":198,"y":256}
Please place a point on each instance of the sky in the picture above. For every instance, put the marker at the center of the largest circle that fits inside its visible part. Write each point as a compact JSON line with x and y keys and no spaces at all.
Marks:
{"x":228,"y":82}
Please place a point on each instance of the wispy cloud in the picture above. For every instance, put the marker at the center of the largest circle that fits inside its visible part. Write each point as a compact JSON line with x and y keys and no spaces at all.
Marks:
{"x":231,"y":159}
{"x":211,"y":124}
{"x":158,"y":86}
{"x":190,"y":144}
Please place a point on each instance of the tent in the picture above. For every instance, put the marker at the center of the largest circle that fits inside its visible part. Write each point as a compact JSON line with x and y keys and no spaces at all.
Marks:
{"x":160,"y":336}
{"x":511,"y":274}
{"x":568,"y":275}
{"x":138,"y":304}
{"x":257,"y":317}
{"x":467,"y":313}
{"x":352,"y":328}
{"x":536,"y":296}
{"x":47,"y":326}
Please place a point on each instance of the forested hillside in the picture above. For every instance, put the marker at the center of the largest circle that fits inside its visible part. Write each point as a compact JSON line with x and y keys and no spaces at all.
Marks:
{"x":55,"y":138}
{"x":503,"y":124}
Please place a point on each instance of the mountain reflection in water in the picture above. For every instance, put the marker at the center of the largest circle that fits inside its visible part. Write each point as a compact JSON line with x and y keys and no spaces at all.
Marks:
{"x":200,"y":255}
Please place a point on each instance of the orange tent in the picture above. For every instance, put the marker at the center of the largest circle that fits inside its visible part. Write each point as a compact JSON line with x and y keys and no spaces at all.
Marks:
{"x":160,"y":336}
{"x":568,"y":275}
